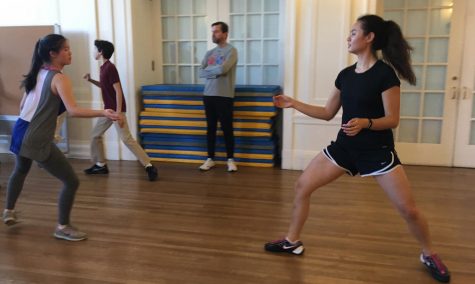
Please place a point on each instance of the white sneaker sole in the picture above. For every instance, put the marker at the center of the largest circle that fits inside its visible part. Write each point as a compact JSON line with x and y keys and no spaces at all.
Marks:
{"x":60,"y":237}
{"x":206,"y":169}
{"x":10,"y":221}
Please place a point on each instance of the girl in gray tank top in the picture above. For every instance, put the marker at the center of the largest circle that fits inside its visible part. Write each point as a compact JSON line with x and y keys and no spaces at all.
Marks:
{"x":48,"y":93}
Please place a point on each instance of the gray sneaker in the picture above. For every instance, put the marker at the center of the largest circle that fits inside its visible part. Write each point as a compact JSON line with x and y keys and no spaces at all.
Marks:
{"x":9,"y":217}
{"x":69,"y":233}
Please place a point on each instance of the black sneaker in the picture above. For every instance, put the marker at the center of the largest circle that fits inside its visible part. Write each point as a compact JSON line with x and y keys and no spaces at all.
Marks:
{"x":96,"y":170}
{"x":436,"y":267}
{"x":285,"y":246}
{"x":152,"y":173}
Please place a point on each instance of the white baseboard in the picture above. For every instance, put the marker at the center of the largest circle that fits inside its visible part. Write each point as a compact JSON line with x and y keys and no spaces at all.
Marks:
{"x":79,"y":151}
{"x":114,"y":151}
{"x":297,"y":159}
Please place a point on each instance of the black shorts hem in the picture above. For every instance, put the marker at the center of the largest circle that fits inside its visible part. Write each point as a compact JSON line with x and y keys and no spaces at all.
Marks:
{"x":329,"y":157}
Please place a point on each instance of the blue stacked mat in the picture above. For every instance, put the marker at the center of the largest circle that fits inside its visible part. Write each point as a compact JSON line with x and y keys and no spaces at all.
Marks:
{"x":173,"y":125}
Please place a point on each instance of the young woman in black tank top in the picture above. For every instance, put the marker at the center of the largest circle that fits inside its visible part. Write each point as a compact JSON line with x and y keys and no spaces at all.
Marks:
{"x":369,"y":94}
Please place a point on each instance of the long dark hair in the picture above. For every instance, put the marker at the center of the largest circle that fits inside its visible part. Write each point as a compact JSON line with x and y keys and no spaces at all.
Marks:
{"x":51,"y":42}
{"x":389,"y":39}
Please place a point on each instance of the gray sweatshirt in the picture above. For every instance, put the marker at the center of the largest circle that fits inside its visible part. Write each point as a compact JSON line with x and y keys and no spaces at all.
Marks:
{"x":219,"y":69}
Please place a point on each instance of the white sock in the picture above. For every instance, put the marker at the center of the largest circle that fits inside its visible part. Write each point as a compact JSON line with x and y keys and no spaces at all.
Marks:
{"x":99,"y":164}
{"x":148,"y":165}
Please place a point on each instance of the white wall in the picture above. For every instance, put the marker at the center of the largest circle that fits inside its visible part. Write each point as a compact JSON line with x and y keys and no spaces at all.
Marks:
{"x":78,"y":24}
{"x":82,"y":22}
{"x":28,"y":12}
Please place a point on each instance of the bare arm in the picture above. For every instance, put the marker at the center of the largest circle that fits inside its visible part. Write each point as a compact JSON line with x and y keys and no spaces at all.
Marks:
{"x":326,"y":112}
{"x":391,"y":104}
{"x":118,"y":97}
{"x":61,"y":85}
{"x":90,"y":80}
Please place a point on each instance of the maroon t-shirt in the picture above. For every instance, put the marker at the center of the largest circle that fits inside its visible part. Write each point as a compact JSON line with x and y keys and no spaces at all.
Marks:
{"x":109,"y":76}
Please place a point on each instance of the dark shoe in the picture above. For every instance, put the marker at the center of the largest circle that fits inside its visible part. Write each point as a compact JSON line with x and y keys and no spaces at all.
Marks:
{"x":96,"y":170}
{"x":152,"y":173}
{"x":285,"y":246}
{"x":436,"y":267}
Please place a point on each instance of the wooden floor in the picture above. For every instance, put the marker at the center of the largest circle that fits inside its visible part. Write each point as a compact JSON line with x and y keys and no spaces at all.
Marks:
{"x":194,"y":227}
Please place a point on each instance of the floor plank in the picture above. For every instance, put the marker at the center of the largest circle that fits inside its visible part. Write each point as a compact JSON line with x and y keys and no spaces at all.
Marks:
{"x":210,"y":227}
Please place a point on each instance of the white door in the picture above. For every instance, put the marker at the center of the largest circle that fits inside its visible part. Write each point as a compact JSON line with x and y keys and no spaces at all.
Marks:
{"x":464,"y":155}
{"x":434,"y":28}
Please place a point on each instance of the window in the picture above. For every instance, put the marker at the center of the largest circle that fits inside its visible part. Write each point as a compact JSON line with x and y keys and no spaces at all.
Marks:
{"x":255,"y":34}
{"x":254,"y":31}
{"x":184,"y":39}
{"x":426,"y":25}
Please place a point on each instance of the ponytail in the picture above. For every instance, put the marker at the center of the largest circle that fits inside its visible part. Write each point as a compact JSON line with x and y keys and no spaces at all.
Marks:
{"x":30,"y":79}
{"x":41,"y":55}
{"x":398,"y":52}
{"x":389,"y":39}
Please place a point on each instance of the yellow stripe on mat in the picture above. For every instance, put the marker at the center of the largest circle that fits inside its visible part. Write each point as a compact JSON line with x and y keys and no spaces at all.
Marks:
{"x":170,"y":114}
{"x":174,"y":102}
{"x":175,"y":110}
{"x":201,"y":132}
{"x":266,"y":114}
{"x":203,"y":153}
{"x":200,"y":103}
{"x":258,"y":125}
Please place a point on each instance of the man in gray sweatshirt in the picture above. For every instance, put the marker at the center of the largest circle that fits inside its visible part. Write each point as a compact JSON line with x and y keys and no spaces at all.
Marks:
{"x":219,"y":70}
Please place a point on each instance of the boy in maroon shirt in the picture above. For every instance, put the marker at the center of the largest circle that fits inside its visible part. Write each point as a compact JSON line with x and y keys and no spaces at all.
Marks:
{"x":113,"y":98}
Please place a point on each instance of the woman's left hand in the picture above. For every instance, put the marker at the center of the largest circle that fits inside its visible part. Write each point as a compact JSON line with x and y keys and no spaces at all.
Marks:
{"x":354,"y":126}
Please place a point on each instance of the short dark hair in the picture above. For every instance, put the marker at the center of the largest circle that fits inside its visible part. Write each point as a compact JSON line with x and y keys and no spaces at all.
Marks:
{"x":104,"y":46}
{"x":224,"y":27}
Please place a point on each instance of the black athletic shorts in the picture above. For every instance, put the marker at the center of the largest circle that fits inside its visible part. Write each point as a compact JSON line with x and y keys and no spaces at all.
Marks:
{"x":364,"y":162}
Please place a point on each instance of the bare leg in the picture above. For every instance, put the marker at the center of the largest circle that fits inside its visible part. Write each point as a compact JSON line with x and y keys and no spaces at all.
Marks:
{"x":319,"y":172}
{"x":397,"y":188}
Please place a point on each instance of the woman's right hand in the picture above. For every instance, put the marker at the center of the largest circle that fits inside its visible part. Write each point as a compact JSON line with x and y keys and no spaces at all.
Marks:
{"x":283,"y":101}
{"x":87,"y":76}
{"x":112,"y":115}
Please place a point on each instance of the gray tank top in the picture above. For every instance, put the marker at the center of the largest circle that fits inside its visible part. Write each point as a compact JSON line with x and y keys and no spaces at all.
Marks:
{"x":39,"y":135}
